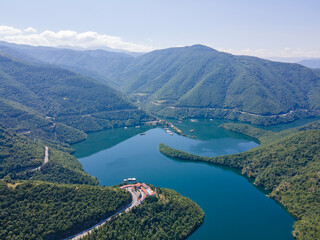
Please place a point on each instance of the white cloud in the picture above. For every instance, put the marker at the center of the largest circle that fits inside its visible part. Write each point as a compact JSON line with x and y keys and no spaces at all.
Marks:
{"x":30,"y":30}
{"x":7,"y":30}
{"x":94,"y":40}
{"x":68,"y":38}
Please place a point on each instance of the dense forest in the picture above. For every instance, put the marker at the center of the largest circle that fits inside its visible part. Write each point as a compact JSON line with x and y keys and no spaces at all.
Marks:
{"x":19,"y":154}
{"x":311,"y":63}
{"x":92,"y":63}
{"x":196,"y":81}
{"x":52,"y":103}
{"x":48,"y":106}
{"x":200,"y":81}
{"x":38,"y":210}
{"x":42,"y":210}
{"x":287,"y":164}
{"x":45,"y":107}
{"x":168,"y":216}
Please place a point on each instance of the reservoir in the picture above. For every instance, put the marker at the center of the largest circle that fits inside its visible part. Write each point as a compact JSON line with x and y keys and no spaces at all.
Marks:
{"x":234,"y":208}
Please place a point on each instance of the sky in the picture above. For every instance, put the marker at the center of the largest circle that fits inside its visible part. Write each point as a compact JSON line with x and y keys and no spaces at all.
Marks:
{"x":263,"y":28}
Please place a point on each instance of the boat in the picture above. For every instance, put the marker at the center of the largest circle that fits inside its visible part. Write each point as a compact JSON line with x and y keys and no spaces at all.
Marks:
{"x":191,"y":130}
{"x":143,"y":133}
{"x":171,"y":133}
{"x":125,"y":128}
{"x":129,"y":179}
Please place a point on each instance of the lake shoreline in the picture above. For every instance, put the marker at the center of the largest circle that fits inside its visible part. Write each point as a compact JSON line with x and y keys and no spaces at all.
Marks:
{"x":107,"y":154}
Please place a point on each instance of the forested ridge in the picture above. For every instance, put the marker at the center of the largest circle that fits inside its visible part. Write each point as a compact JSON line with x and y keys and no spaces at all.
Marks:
{"x":196,"y":81}
{"x":19,"y":153}
{"x":52,"y":103}
{"x":96,"y":64}
{"x":170,"y":216}
{"x":288,"y":166}
{"x":39,"y":210}
{"x":45,"y":106}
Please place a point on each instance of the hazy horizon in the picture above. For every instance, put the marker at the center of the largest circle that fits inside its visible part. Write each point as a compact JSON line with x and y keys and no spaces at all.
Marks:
{"x":286,"y":29}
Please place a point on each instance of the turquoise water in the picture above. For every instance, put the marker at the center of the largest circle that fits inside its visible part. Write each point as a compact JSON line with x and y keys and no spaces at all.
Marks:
{"x":234,"y":208}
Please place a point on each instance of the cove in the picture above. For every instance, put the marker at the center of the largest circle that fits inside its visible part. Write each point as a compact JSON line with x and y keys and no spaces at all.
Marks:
{"x":234,"y":208}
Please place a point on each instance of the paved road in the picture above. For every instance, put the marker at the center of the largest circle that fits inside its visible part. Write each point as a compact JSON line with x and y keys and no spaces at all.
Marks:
{"x":134,"y":203}
{"x":45,"y":161}
{"x":46,"y":155}
{"x":233,"y":110}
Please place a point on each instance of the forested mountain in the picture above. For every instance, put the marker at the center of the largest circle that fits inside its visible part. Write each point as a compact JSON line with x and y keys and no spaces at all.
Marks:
{"x":59,"y":104}
{"x":97,"y":64}
{"x":19,"y":154}
{"x":39,"y":210}
{"x":286,"y":163}
{"x":43,"y":109}
{"x":171,"y":216}
{"x":197,"y":81}
{"x":311,"y":63}
{"x":56,"y":107}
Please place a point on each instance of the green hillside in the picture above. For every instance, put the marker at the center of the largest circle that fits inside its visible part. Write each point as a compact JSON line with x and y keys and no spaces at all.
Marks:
{"x":287,"y":164}
{"x":58,"y":104}
{"x":38,"y":210}
{"x":171,"y":216}
{"x":196,"y":81}
{"x":97,"y":64}
{"x":44,"y":107}
{"x":311,"y":63}
{"x":42,"y":210}
{"x":19,"y":154}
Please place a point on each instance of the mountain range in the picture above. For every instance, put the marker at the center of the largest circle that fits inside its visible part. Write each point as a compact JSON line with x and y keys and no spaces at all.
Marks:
{"x":51,"y":102}
{"x":196,"y":81}
{"x":52,"y":97}
{"x":311,"y":63}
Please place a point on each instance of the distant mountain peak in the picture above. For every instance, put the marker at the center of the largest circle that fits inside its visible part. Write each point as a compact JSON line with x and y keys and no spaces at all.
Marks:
{"x":202,"y":47}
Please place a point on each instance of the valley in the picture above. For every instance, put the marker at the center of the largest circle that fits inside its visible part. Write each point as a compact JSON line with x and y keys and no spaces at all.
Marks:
{"x":60,"y":114}
{"x":169,"y":81}
{"x":227,"y":199}
{"x":159,"y":120}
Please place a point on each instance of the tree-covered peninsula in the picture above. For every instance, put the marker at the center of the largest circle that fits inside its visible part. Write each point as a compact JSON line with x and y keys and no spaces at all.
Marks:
{"x":169,"y":216}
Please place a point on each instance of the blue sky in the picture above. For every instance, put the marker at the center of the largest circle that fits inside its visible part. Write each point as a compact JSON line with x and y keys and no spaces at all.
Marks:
{"x":287,"y":28}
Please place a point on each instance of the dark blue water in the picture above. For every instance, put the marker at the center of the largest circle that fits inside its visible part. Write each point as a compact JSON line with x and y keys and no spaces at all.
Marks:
{"x":234,"y":208}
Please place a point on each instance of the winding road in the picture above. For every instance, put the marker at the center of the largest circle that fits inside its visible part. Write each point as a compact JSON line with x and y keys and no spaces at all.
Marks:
{"x":127,"y":208}
{"x":291,"y":112}
{"x":46,"y":159}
